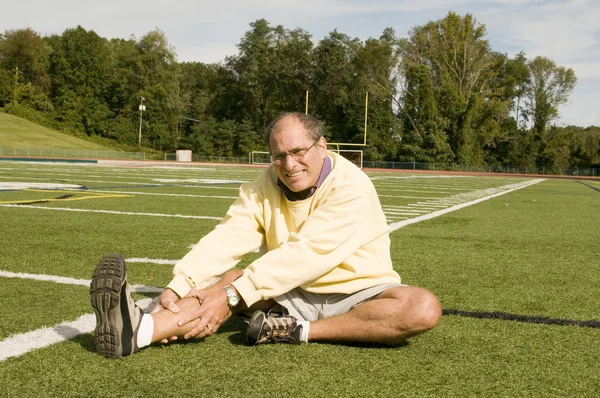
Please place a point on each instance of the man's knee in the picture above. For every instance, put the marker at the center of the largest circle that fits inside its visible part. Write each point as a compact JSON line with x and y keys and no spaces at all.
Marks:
{"x":416,"y":307}
{"x":429,"y":309}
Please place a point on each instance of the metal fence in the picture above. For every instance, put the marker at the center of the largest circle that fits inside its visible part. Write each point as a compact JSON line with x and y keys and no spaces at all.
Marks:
{"x":574,"y":171}
{"x":71,"y":153}
{"x":594,"y":172}
{"x":96,"y":154}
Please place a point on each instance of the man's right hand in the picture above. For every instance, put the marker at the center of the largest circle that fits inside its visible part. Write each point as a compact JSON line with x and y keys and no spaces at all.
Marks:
{"x":167,"y":301}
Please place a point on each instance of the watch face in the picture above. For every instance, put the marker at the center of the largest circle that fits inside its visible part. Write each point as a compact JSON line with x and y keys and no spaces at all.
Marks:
{"x":233,"y":301}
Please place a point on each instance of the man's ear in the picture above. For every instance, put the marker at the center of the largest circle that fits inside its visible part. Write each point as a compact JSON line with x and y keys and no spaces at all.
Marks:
{"x":323,"y":144}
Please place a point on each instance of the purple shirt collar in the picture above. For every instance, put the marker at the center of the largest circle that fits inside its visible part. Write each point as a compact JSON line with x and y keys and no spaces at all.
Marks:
{"x":307,"y":193}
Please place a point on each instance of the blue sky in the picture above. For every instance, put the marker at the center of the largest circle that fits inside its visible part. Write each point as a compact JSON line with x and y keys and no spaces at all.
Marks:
{"x":566,"y":31}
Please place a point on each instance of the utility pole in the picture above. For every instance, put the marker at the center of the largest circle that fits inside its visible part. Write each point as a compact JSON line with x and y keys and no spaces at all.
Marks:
{"x":142,"y":109}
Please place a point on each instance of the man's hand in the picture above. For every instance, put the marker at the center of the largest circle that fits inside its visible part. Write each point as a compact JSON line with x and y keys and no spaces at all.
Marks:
{"x":212,"y":313}
{"x":167,"y":300}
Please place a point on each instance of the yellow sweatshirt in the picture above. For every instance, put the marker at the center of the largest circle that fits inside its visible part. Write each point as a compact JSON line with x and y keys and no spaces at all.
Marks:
{"x":336,"y":241}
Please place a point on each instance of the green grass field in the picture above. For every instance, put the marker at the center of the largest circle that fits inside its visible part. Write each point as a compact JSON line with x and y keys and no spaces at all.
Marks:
{"x":532,"y":251}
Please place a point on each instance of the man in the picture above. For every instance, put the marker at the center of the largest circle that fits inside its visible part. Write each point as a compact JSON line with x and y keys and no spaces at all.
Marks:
{"x":325,"y":275}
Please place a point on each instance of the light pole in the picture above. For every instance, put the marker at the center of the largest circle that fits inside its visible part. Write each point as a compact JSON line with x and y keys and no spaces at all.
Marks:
{"x":142,"y":109}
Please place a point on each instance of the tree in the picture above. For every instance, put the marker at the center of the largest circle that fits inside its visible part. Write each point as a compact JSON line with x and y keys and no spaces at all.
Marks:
{"x":374,"y":66}
{"x":462,"y":71}
{"x":79,"y":65}
{"x":330,"y":93}
{"x":24,"y":54}
{"x":549,"y":87}
{"x":270,"y":74}
{"x":155,"y":76}
{"x":423,"y":139}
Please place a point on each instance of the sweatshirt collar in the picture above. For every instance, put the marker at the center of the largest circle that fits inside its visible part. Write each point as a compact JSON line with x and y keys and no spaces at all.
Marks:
{"x":307,"y":193}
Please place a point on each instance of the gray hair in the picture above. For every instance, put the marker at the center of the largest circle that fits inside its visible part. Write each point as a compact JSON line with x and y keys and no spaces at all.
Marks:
{"x":312,"y":125}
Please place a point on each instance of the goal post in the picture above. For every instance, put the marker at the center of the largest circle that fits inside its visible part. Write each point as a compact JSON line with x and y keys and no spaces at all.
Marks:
{"x":353,"y":155}
{"x":259,"y":157}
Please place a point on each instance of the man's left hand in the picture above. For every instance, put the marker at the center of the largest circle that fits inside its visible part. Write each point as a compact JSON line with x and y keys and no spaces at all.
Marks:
{"x":212,"y":313}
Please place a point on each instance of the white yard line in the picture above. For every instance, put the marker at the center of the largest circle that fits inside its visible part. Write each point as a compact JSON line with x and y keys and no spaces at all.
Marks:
{"x":20,"y":344}
{"x":412,"y":177}
{"x":129,"y":213}
{"x":182,"y":195}
{"x":494,"y":192}
{"x":73,"y":281}
{"x":150,"y":261}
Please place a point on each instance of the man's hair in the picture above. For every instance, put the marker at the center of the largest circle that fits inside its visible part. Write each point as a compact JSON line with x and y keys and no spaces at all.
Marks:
{"x":312,"y":125}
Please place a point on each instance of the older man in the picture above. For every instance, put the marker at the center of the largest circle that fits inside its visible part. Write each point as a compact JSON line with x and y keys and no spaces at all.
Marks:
{"x":325,"y":272}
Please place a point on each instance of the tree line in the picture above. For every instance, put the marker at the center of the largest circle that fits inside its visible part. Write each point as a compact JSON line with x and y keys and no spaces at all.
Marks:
{"x":440,"y":95}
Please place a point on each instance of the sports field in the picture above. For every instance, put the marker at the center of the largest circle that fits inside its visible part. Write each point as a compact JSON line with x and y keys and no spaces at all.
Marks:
{"x":515,"y":263}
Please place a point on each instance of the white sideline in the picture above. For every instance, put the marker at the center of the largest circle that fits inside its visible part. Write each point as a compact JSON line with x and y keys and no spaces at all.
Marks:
{"x":19,"y":344}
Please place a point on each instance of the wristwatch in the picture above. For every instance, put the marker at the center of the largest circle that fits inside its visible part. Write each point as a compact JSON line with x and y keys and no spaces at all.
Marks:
{"x":233,"y":299}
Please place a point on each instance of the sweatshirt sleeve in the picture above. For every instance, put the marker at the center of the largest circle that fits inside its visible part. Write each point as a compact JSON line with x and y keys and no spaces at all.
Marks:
{"x":239,"y":233}
{"x":332,"y":232}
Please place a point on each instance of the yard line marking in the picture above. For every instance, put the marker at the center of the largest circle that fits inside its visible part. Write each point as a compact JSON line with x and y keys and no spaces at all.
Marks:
{"x":412,"y":190}
{"x":16,"y":186}
{"x":150,"y":261}
{"x":493,"y":192}
{"x":165,"y":194}
{"x":130,"y":183}
{"x":19,"y":344}
{"x":72,"y":281}
{"x":403,"y":208}
{"x":129,"y":213}
{"x":404,"y":197}
{"x":413,"y":177}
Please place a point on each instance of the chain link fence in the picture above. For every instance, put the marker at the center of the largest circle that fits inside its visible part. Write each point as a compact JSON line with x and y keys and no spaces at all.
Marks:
{"x":574,"y":171}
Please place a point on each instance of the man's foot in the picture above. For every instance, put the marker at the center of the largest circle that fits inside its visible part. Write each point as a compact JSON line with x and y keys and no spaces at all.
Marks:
{"x":117,"y":316}
{"x":272,"y":329}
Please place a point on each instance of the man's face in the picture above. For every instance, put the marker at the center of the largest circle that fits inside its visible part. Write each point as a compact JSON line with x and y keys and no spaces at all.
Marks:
{"x":290,"y":137}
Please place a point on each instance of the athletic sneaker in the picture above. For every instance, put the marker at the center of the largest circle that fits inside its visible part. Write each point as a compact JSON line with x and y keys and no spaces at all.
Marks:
{"x":272,"y":329}
{"x":117,"y":316}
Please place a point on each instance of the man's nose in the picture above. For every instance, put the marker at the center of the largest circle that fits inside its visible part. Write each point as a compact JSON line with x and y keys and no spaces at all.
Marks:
{"x":290,"y":162}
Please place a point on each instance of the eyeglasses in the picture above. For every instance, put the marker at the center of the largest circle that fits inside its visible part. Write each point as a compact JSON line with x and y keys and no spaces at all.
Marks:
{"x":296,"y":154}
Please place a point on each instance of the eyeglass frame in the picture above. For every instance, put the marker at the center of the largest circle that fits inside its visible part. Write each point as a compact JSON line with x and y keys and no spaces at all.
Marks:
{"x":294,"y":156}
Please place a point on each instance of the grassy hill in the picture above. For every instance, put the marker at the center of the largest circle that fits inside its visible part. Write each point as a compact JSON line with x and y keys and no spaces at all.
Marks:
{"x":16,"y":132}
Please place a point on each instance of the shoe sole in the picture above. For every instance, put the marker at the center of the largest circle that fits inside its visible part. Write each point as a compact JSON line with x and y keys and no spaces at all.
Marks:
{"x":107,"y":284}
{"x":255,"y":327}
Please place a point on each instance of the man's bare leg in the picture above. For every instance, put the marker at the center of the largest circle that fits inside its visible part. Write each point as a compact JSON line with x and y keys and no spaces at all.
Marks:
{"x":390,"y":318}
{"x":165,"y":321}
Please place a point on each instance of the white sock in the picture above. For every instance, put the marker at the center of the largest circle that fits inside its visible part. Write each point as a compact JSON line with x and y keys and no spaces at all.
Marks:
{"x":144,"y":334}
{"x":304,"y":332}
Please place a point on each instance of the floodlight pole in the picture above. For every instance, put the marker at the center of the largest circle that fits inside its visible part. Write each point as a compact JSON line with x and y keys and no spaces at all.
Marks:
{"x":142,"y":109}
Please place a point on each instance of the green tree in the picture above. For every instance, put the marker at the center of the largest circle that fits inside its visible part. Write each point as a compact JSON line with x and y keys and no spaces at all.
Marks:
{"x":79,"y":65}
{"x":461,"y":65}
{"x":24,"y":54}
{"x":549,"y":87}
{"x":155,"y":77}
{"x":330,"y":93}
{"x":423,"y":138}
{"x":269,"y":75}
{"x":374,"y":65}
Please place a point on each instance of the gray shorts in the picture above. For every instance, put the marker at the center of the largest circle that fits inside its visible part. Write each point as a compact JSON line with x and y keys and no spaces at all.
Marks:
{"x":307,"y":306}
